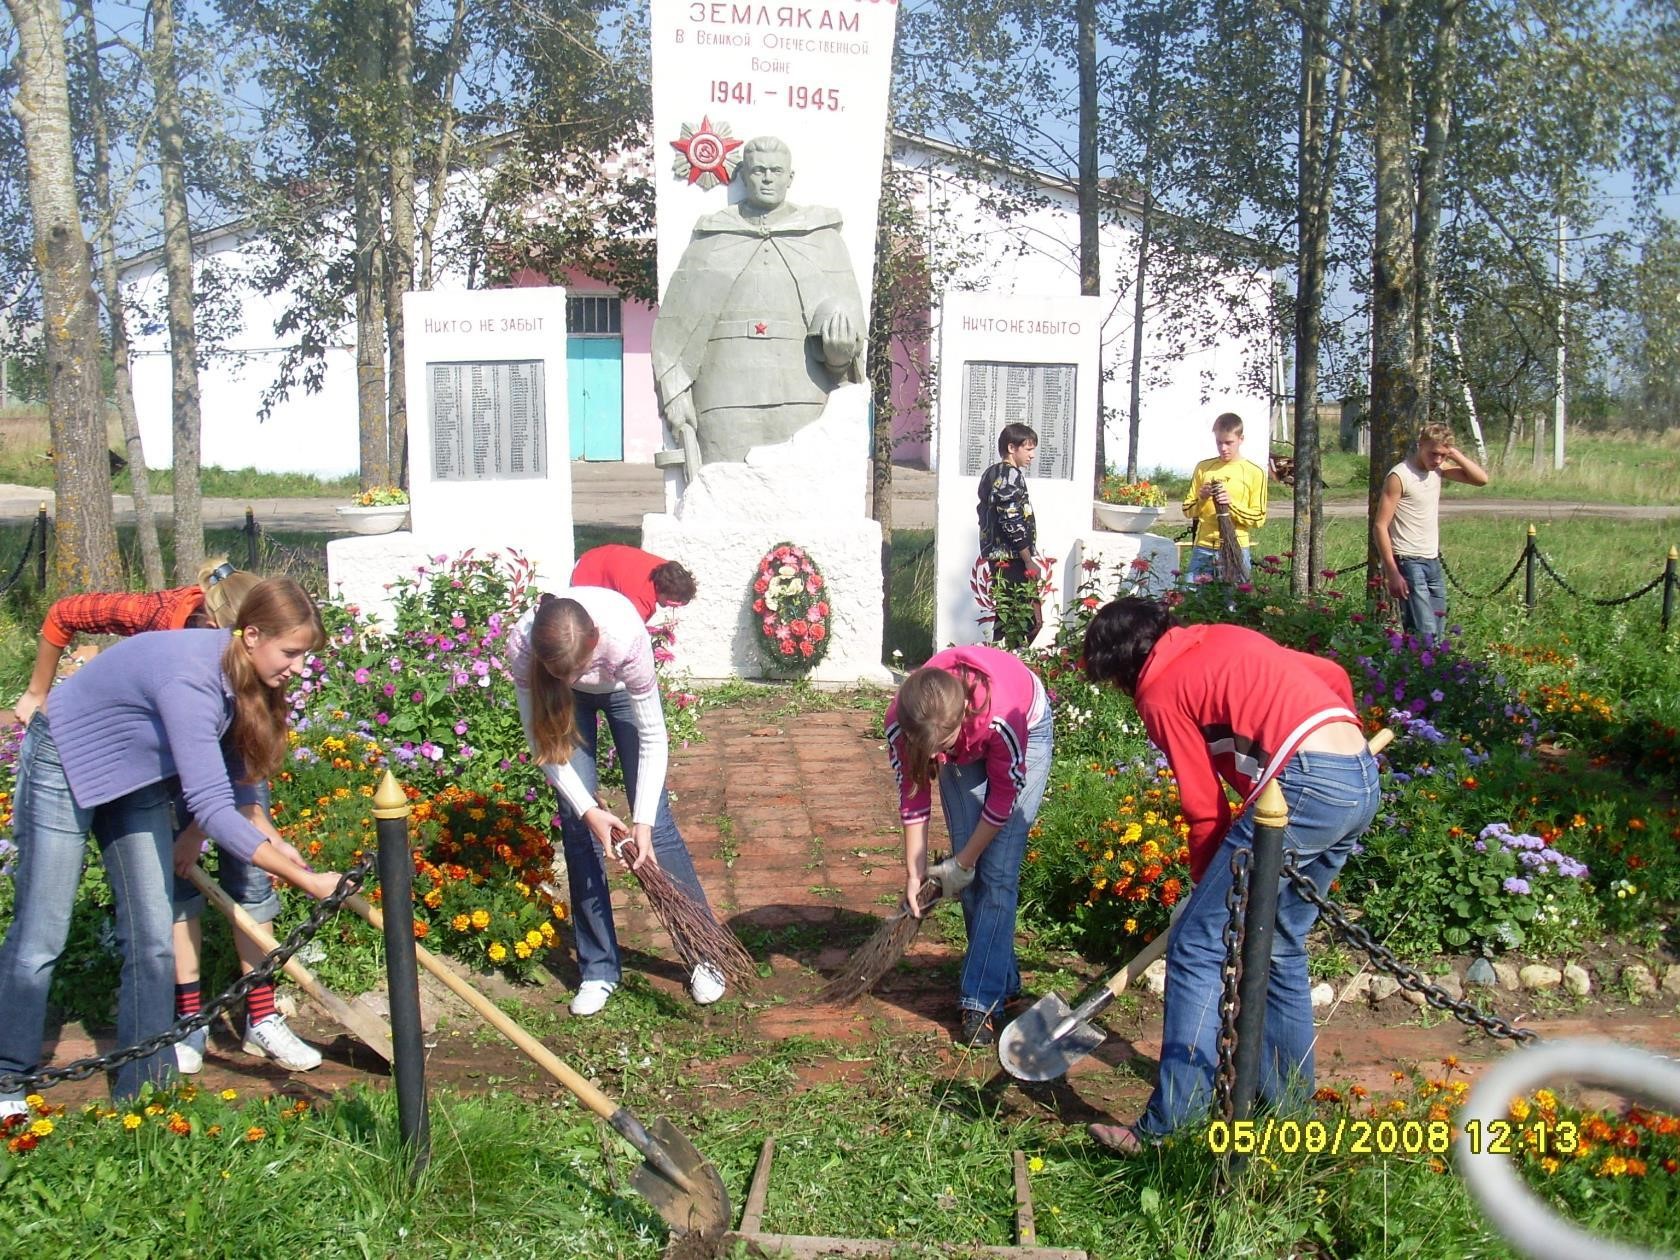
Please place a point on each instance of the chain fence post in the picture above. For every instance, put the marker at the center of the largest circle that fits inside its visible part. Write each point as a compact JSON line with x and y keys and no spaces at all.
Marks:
{"x":402,"y":969}
{"x":1271,"y":817}
{"x":1531,"y":550}
{"x":250,"y":540}
{"x":41,"y":546}
{"x":1671,"y":581}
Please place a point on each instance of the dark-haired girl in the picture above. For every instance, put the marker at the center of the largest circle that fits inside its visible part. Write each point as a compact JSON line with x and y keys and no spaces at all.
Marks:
{"x":1227,"y":703}
{"x":577,"y":657}
{"x":206,"y":708}
{"x":977,"y":720}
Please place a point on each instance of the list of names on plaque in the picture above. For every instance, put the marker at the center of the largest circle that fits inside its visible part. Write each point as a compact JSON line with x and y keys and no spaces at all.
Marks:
{"x":1037,"y":394}
{"x":488,"y":420}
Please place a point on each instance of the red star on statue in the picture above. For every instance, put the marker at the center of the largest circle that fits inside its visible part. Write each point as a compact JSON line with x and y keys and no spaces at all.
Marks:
{"x":761,"y":328}
{"x":706,"y":154}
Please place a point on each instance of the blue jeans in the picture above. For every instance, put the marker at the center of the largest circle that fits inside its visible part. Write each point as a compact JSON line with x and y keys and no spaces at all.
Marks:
{"x":1331,"y":801}
{"x":1206,"y":560}
{"x":592,"y":921}
{"x":251,"y":886}
{"x":990,"y":975}
{"x":1424,"y":612}
{"x":135,"y":839}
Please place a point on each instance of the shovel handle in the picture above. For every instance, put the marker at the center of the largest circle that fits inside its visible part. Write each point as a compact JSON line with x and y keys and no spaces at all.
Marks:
{"x":620,"y":1119}
{"x":367,"y":1027}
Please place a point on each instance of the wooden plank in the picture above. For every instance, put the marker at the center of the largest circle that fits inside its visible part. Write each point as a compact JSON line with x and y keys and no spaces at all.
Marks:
{"x":810,"y":1247}
{"x":1026,"y":1232}
{"x":753,"y":1214}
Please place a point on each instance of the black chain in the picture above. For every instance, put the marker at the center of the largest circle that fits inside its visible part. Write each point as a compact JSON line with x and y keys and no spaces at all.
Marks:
{"x":81,"y":1069}
{"x":1409,"y":980}
{"x":1593,"y":599}
{"x":1230,"y":1001}
{"x":1469,"y":594}
{"x":17,"y":569}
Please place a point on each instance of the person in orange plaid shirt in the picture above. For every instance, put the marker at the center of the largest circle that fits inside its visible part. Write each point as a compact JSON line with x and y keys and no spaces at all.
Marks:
{"x":212,"y":602}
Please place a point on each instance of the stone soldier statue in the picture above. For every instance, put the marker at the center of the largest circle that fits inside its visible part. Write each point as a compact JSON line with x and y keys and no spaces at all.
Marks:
{"x":761,"y":320}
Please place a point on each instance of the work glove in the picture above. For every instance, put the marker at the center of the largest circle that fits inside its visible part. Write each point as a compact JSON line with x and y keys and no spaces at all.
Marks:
{"x":953,"y":877}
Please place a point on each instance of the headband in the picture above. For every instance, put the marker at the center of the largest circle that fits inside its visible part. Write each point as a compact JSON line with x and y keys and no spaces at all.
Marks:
{"x":220,"y":573}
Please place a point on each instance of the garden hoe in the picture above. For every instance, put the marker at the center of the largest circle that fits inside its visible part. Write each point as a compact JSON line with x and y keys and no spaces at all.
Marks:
{"x":675,"y":1178}
{"x":1049,"y":1037}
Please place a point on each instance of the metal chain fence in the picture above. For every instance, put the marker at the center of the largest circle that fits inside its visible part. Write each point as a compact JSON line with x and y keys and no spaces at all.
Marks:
{"x":16,"y":575}
{"x":1469,"y":594}
{"x":263,"y":973}
{"x":1593,"y":599}
{"x":1230,"y":1001}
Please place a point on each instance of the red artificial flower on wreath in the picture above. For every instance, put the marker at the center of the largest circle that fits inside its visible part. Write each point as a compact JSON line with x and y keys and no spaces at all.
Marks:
{"x":785,"y":589}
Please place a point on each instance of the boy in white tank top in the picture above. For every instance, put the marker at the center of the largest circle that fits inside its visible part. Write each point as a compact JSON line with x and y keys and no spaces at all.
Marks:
{"x":1407,"y":527}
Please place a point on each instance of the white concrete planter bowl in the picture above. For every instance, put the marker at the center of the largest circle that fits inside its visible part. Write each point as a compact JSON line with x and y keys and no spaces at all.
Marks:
{"x":1125,"y":518}
{"x":382,"y":519}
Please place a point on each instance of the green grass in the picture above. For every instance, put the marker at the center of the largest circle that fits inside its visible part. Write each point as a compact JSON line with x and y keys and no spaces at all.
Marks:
{"x":908,"y":1151}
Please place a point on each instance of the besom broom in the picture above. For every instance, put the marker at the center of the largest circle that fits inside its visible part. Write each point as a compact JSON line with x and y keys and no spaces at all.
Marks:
{"x":880,"y":951}
{"x":695,"y":932}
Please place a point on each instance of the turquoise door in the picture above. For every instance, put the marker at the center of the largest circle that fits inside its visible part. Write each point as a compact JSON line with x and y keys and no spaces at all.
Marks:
{"x":595,"y":396}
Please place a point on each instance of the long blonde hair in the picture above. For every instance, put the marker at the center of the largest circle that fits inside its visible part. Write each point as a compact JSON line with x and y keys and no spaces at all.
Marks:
{"x":275,"y":606}
{"x":931,"y":702}
{"x":225,"y":590}
{"x":562,"y":638}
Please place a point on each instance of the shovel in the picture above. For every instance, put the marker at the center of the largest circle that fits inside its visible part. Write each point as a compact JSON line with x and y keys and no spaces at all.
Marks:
{"x":1049,"y":1037}
{"x":682,"y":1186}
{"x":369,"y":1029}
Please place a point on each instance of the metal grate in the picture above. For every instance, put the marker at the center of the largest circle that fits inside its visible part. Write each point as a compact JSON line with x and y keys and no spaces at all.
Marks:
{"x":596,"y":315}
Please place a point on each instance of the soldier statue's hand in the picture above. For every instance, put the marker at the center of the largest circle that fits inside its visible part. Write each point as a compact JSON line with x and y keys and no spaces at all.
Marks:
{"x":679,"y":414}
{"x":840,"y":341}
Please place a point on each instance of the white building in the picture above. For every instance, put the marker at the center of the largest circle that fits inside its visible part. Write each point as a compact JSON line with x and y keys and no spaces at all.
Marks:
{"x":968,"y":244}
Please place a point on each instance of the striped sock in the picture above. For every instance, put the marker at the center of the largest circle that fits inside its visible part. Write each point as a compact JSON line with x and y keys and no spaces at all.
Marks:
{"x":259,"y":1004}
{"x":189,"y":998}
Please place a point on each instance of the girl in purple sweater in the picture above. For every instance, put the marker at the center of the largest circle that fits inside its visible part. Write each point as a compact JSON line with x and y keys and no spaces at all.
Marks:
{"x":205,"y":707}
{"x":978,"y":720}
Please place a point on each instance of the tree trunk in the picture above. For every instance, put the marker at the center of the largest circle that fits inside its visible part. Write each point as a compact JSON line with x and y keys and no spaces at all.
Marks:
{"x":145,"y":524}
{"x":438,"y":185}
{"x":1090,"y":258}
{"x":399,"y":265}
{"x":178,"y":267}
{"x":1140,"y":280}
{"x":881,"y":322}
{"x":1393,"y":297}
{"x":87,"y":539}
{"x":372,"y":422}
{"x":1427,"y":235}
{"x":1309,"y":296}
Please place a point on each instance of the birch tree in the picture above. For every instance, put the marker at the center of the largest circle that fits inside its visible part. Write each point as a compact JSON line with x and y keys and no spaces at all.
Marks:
{"x":87,"y":540}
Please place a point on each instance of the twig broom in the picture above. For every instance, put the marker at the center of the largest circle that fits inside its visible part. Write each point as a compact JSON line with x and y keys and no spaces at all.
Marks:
{"x":694,"y":930}
{"x":878,"y":954}
{"x":1231,"y":567}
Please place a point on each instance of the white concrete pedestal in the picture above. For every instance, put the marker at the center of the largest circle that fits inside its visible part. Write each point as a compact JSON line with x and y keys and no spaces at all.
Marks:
{"x":1116,"y":554}
{"x":360,"y":569}
{"x":808,"y":491}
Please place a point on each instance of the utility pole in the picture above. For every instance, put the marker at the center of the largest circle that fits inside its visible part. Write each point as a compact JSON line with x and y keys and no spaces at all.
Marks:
{"x":1560,"y":411}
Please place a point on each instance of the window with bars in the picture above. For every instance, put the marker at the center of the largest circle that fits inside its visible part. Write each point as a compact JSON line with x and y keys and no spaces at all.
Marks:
{"x":593,"y":315}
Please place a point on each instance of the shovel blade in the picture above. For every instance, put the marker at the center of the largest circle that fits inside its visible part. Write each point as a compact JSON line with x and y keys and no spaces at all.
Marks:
{"x":703,"y":1204}
{"x":1029,"y":1049}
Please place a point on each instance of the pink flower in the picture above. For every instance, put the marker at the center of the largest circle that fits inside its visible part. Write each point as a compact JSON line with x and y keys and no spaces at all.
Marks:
{"x":813,"y":584}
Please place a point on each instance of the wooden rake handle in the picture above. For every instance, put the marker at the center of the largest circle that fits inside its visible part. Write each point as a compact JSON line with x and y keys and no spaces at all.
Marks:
{"x":367,"y":1027}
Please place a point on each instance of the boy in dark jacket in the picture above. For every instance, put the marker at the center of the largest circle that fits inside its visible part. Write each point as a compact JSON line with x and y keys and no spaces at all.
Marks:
{"x":1008,"y":536}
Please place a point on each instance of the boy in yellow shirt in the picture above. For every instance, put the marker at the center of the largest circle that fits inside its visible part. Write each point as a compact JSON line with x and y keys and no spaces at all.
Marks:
{"x":1227,"y":479}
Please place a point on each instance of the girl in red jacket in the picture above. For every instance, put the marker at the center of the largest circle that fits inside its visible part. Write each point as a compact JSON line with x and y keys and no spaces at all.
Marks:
{"x":1229,"y":706}
{"x":977,"y":720}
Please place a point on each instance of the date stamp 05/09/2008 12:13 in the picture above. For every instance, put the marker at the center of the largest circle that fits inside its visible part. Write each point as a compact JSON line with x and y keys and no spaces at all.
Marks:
{"x":1348,"y":1136}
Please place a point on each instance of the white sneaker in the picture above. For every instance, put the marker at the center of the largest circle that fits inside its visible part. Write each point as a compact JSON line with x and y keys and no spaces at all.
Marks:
{"x":591,"y":996}
{"x":274,"y":1039}
{"x":705,"y":986}
{"x":189,"y":1058}
{"x":10,"y":1107}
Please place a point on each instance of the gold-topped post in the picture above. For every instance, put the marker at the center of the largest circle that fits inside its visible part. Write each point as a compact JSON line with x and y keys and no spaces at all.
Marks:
{"x":402,"y":967}
{"x":1671,"y":583}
